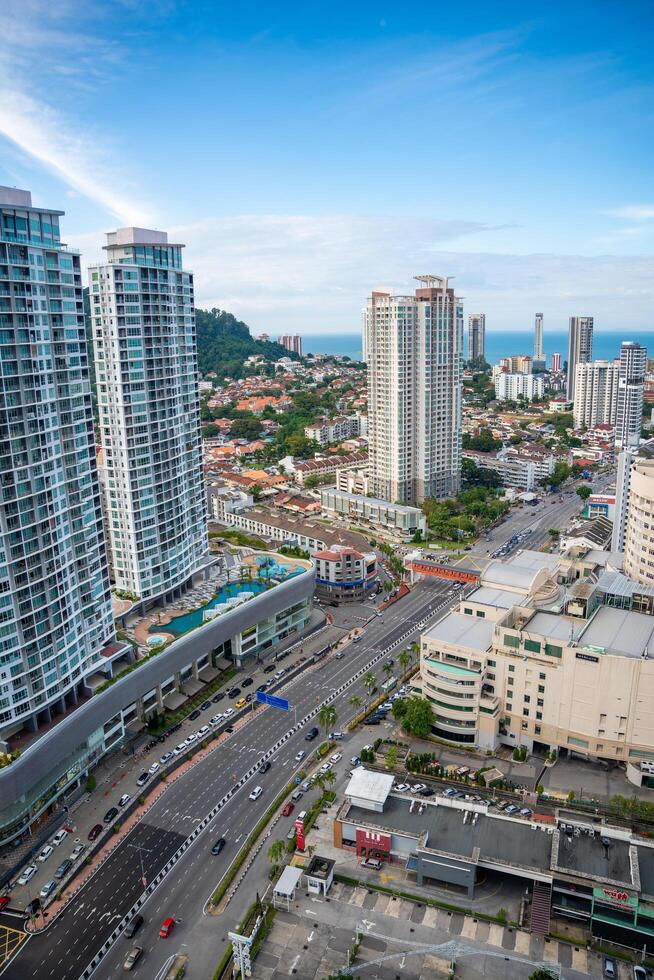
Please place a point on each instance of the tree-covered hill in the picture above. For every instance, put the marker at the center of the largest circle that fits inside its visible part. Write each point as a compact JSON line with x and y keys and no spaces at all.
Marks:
{"x":224,"y":342}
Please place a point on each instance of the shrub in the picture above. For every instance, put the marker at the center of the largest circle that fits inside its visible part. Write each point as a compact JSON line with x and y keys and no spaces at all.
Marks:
{"x":91,"y":783}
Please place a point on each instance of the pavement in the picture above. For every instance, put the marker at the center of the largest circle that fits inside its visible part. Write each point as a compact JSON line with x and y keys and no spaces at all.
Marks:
{"x":70,"y":942}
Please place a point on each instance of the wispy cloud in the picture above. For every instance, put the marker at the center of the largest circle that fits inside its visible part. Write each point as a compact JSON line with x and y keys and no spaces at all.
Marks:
{"x":634,"y":212}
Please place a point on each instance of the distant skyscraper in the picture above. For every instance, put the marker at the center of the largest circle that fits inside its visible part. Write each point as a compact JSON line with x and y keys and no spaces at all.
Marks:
{"x":146,"y":367}
{"x":538,"y":338}
{"x":596,"y":394}
{"x":56,"y":603}
{"x":292,"y":342}
{"x":556,"y":362}
{"x":631,"y":390}
{"x":414,"y":350}
{"x":580,"y":348}
{"x":476,"y":336}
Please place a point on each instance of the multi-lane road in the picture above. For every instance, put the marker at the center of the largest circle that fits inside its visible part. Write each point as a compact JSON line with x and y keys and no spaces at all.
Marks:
{"x":66,"y":948}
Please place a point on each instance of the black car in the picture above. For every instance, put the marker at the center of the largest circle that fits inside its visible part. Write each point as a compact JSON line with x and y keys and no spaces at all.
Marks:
{"x":262,"y":687}
{"x":218,"y":697}
{"x":264,"y":767}
{"x":194,"y":714}
{"x":372,"y":720}
{"x":269,"y":669}
{"x":248,"y":698}
{"x":205,"y":705}
{"x":133,"y":926}
{"x":311,"y":734}
{"x":110,"y":814}
{"x":234,"y":693}
{"x":248,"y":682}
{"x":218,"y":846}
{"x":426,"y":791}
{"x":390,"y":662}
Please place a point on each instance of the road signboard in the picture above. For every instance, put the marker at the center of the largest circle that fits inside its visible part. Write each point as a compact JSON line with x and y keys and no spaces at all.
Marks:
{"x":271,"y":700}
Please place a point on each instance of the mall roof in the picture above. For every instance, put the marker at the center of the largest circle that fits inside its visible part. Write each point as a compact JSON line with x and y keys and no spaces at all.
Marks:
{"x":367,"y":785}
{"x":549,"y":624}
{"x":620,"y":631}
{"x":467,"y":631}
{"x":487,"y":595}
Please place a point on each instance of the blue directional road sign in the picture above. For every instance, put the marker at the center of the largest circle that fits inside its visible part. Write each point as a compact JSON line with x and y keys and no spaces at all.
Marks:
{"x":273,"y":701}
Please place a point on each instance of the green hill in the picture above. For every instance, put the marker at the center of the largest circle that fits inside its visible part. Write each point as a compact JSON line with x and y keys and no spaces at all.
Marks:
{"x":224,"y":342}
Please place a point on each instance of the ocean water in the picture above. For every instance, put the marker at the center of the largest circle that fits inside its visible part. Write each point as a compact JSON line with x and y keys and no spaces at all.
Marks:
{"x":606,"y":344}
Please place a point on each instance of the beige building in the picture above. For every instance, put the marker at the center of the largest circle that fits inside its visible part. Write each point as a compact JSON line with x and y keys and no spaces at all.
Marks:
{"x":639,"y":532}
{"x":530,"y":656}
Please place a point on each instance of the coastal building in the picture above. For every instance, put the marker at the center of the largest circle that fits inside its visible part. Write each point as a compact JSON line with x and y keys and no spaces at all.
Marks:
{"x":631,"y":391}
{"x":556,"y":362}
{"x":476,"y":336}
{"x":400,"y":519}
{"x":345,"y":574}
{"x":595,"y":394}
{"x":539,"y":353}
{"x":143,"y":320}
{"x":511,"y":387}
{"x":414,"y":351}
{"x":57,"y":623}
{"x":580,"y":348}
{"x":292,"y":343}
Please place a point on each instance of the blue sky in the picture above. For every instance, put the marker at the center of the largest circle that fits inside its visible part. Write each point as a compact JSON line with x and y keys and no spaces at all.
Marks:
{"x":308,"y":152}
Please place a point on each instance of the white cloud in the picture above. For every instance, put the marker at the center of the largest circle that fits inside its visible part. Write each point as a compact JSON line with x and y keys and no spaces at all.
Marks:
{"x":634,"y":212}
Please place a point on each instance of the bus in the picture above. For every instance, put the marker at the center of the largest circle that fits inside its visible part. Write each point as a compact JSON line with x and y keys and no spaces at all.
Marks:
{"x":389,"y":685}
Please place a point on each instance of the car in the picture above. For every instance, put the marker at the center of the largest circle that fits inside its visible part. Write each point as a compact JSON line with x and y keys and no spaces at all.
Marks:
{"x":166,"y":928}
{"x":526,"y":812}
{"x":248,"y":682}
{"x":124,"y":800}
{"x":311,"y":734}
{"x":166,"y":757}
{"x":194,"y":715}
{"x":256,"y":792}
{"x":45,"y":853}
{"x":228,"y":711}
{"x":143,"y":778}
{"x":357,"y":639}
{"x":48,"y":889}
{"x":300,"y":755}
{"x":610,"y":968}
{"x":426,"y":791}
{"x":512,"y":808}
{"x":287,"y":809}
{"x":153,"y":768}
{"x":262,"y":687}
{"x":389,"y":663}
{"x":297,"y":795}
{"x":63,"y":869}
{"x":27,"y":874}
{"x":265,"y":766}
{"x":355,"y":761}
{"x":95,"y":831}
{"x":401,"y":787}
{"x":180,"y":748}
{"x":110,"y":815}
{"x":216,"y":719}
{"x":325,"y":767}
{"x":279,"y":674}
{"x":132,"y":958}
{"x":191,"y":738}
{"x":79,"y":848}
{"x":241,"y":703}
{"x":218,"y":697}
{"x":372,"y":720}
{"x":336,"y":757}
{"x":249,"y":698}
{"x":336,"y":736}
{"x":204,"y":731}
{"x":306,"y":785}
{"x":291,"y":834}
{"x":269,"y":669}
{"x":218,"y":846}
{"x":386,"y":706}
{"x":229,"y":730}
{"x":418,"y":787}
{"x":340,"y":655}
{"x":234,"y":693}
{"x":205,"y":705}
{"x":59,"y":837}
{"x":133,"y":926}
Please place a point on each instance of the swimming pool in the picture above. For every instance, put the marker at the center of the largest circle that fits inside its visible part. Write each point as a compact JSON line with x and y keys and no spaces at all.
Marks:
{"x":154,"y":641}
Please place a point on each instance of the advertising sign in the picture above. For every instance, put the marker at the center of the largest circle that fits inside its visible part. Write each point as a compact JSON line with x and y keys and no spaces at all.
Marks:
{"x":615,"y":896}
{"x":371,"y":843}
{"x":299,"y":834}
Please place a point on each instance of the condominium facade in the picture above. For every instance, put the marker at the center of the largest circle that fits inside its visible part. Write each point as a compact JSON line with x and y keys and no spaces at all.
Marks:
{"x":520,"y":471}
{"x":57,"y":623}
{"x":539,"y":354}
{"x":580,"y":348}
{"x":476,"y":336}
{"x":556,"y":362}
{"x":631,"y":392}
{"x":292,"y":343}
{"x":414,"y":352}
{"x":143,"y":321}
{"x":596,"y":393}
{"x":639,"y":524}
{"x":511,"y":387}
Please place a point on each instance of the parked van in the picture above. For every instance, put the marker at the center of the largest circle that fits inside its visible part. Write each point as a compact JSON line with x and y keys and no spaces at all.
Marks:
{"x":301,"y":815}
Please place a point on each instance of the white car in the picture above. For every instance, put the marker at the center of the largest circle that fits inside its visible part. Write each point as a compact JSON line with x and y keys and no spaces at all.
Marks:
{"x":228,"y":712}
{"x":336,"y":736}
{"x":179,"y":748}
{"x":417,"y":787}
{"x":216,"y":719}
{"x":401,"y":787}
{"x":300,"y":756}
{"x":166,"y":757}
{"x":336,"y":757}
{"x":153,"y":768}
{"x":326,"y":766}
{"x":27,"y":874}
{"x":59,"y":837}
{"x":124,"y":800}
{"x":191,"y":738}
{"x":80,"y":846}
{"x":256,"y":792}
{"x":45,"y":853}
{"x":204,"y":731}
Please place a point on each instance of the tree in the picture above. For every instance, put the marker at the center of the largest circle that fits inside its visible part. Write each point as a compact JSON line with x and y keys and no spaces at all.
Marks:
{"x":255,"y":490}
{"x":330,"y":777}
{"x":542,"y":973}
{"x":483,"y":442}
{"x":388,"y":670}
{"x":553,"y":532}
{"x":319,"y":781}
{"x":399,"y":709}
{"x":418,"y":717}
{"x":245,"y":428}
{"x":369,"y":681}
{"x":327,"y":717}
{"x":584,"y":492}
{"x":356,"y":700}
{"x":391,"y":757}
{"x":403,"y":659}
{"x":276,"y":851}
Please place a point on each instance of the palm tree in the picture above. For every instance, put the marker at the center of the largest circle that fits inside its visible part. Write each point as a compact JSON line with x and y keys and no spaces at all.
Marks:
{"x":415,"y":648}
{"x":388,"y":670}
{"x":327,"y":717}
{"x":319,"y":781}
{"x":369,"y":681}
{"x":330,"y":778}
{"x":276,"y":851}
{"x":403,"y":660}
{"x":356,"y":700}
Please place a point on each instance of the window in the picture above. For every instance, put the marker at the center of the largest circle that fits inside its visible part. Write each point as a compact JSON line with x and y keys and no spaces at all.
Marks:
{"x":581,"y":742}
{"x":553,"y":651}
{"x":468,"y":612}
{"x":541,"y":677}
{"x":511,"y":668}
{"x":533,"y":646}
{"x":491,"y":663}
{"x":525,"y":712}
{"x":481,"y":614}
{"x":527,"y":698}
{"x":540,"y":702}
{"x":509,"y":707}
{"x":509,"y":681}
{"x":541,"y":689}
{"x":511,"y":641}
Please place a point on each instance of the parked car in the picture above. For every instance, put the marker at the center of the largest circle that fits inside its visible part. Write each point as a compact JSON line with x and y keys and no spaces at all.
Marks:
{"x":340,"y":655}
{"x":512,"y":808}
{"x":256,"y":792}
{"x":248,"y":682}
{"x":325,"y":767}
{"x":110,"y":815}
{"x":166,"y":927}
{"x":241,"y":703}
{"x":227,"y":712}
{"x":133,"y":926}
{"x":287,"y":809}
{"x":234,"y":693}
{"x":48,"y":889}
{"x":336,"y":757}
{"x":372,"y":720}
{"x":95,"y":831}
{"x":180,"y":748}
{"x":132,"y":958}
{"x":269,"y":669}
{"x":426,"y":791}
{"x":153,"y":768}
{"x":59,"y":837}
{"x":401,"y":787}
{"x":45,"y":853}
{"x":218,"y":697}
{"x":194,"y":715}
{"x":27,"y":874}
{"x":306,"y":786}
{"x":336,"y":736}
{"x":79,"y":848}
{"x":204,"y":731}
{"x":205,"y":705}
{"x":124,"y":800}
{"x":63,"y":869}
{"x":143,"y":778}
{"x":355,"y":761}
{"x":298,"y":794}
{"x":218,"y":846}
{"x":216,"y":719}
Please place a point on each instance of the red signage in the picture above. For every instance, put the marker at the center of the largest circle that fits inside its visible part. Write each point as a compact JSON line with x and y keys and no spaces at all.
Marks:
{"x":372,"y":844}
{"x":614,"y":895}
{"x":299,"y":834}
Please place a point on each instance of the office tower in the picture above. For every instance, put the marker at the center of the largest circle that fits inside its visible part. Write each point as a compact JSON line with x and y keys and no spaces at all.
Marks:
{"x":146,"y":368}
{"x":414,"y":349}
{"x":580,"y":348}
{"x":596,"y":394}
{"x":292,"y":343}
{"x":56,"y":603}
{"x":539,"y":354}
{"x":556,"y":362}
{"x":631,"y":390}
{"x":476,"y":336}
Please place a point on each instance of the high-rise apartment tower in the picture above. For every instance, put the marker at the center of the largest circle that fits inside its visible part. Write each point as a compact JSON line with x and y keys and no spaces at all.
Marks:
{"x":476,"y":336}
{"x":596,"y":393}
{"x":556,"y":362}
{"x":54,"y":582}
{"x":580,"y":348}
{"x":292,"y":343}
{"x":146,"y":368}
{"x":539,"y":355}
{"x":414,"y":350}
{"x":631,"y":392}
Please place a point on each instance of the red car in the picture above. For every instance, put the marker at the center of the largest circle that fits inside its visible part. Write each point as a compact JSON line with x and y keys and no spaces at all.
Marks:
{"x":166,"y":928}
{"x":288,"y":809}
{"x":95,"y":831}
{"x":4,"y":902}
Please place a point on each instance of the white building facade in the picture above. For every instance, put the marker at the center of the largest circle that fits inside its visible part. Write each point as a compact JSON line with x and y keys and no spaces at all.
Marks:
{"x":596,"y":394}
{"x":631,"y":393}
{"x":143,"y":320}
{"x":414,"y":351}
{"x":514,"y":385}
{"x":580,"y":348}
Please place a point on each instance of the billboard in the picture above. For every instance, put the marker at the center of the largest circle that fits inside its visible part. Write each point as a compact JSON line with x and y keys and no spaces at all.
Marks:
{"x":299,"y":834}
{"x":373,"y":844}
